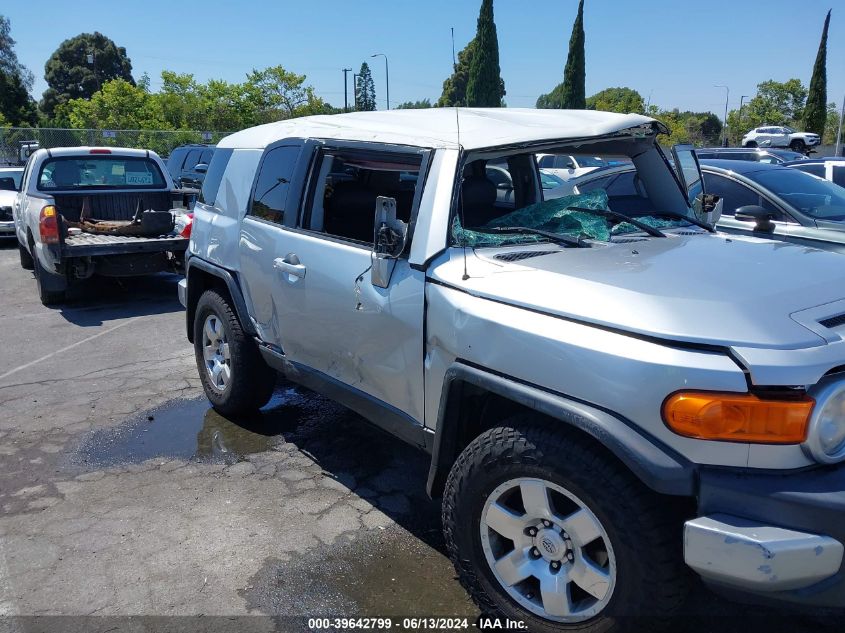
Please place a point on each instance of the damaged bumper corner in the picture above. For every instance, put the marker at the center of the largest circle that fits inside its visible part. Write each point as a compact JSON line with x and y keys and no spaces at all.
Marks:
{"x":760,"y":558}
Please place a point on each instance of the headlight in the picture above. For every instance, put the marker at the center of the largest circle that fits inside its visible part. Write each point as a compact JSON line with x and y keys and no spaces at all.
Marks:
{"x":826,"y":435}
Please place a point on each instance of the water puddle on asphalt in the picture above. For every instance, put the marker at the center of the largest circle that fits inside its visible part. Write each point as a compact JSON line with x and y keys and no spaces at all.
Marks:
{"x":191,"y":429}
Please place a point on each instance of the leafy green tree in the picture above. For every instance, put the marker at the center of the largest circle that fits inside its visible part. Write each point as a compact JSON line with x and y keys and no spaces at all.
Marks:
{"x":119,"y":105}
{"x":624,"y":100}
{"x":698,"y":128}
{"x":415,"y":105}
{"x":69,"y":75}
{"x":485,"y":87}
{"x":776,"y":103}
{"x":455,"y":86}
{"x":815,"y":111}
{"x":275,"y":94}
{"x":17,"y":108}
{"x":9,"y":63}
{"x":571,"y":92}
{"x":365,"y":89}
{"x":831,"y":126}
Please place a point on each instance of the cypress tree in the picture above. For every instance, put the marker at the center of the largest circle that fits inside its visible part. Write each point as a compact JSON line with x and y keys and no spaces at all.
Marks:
{"x":365,"y":91}
{"x":571,"y":93}
{"x":815,"y":112}
{"x":485,"y":87}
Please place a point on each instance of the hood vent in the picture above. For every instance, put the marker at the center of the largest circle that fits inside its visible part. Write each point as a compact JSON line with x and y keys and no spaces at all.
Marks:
{"x":628,"y":240}
{"x":517,"y":256}
{"x":834,"y":321}
{"x":689,"y":232}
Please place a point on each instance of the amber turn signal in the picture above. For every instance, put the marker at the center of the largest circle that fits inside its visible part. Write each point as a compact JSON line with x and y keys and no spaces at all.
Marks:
{"x":738,"y":417}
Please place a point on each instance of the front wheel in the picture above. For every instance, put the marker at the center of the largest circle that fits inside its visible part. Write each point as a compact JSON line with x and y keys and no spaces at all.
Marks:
{"x":547,"y":529}
{"x":235,"y":378}
{"x":751,"y":144}
{"x":798,"y":146}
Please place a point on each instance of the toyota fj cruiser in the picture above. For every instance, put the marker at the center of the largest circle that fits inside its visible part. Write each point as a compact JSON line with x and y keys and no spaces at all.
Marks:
{"x":613,"y":395}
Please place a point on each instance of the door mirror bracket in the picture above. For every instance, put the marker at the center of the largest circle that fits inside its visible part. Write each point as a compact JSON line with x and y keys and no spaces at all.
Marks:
{"x":389,"y":238}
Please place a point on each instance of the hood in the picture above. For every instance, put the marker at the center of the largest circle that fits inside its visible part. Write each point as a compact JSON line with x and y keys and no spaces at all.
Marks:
{"x":706,"y":289}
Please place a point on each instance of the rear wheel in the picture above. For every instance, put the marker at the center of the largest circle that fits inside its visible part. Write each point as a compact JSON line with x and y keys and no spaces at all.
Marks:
{"x":751,"y":144}
{"x":48,"y":296}
{"x":235,"y":378}
{"x":545,"y":528}
{"x":26,"y":258}
{"x":798,"y":146}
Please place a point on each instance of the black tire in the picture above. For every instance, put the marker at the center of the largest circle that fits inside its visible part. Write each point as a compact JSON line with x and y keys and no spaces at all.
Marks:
{"x":646,"y":536}
{"x":48,"y":297}
{"x":798,"y":146}
{"x":252,"y":381}
{"x":751,"y":144}
{"x":27,"y":262}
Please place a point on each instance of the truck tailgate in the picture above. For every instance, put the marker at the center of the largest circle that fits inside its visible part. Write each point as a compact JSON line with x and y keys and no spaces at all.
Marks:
{"x":88,"y":244}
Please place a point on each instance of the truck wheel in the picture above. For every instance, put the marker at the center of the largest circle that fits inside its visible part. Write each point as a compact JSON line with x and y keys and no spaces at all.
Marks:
{"x":751,"y":144}
{"x":235,"y":378}
{"x":48,"y":297}
{"x":26,"y":258}
{"x":798,"y":146}
{"x":545,"y":528}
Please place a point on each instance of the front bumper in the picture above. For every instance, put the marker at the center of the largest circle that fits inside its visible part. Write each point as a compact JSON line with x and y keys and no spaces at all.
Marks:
{"x":774,"y":536}
{"x":7,"y":228}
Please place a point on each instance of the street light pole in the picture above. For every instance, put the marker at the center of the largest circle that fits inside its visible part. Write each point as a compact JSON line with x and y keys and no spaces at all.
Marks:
{"x":727,"y":97}
{"x":345,"y":89}
{"x":355,"y":91}
{"x":386,"y":76}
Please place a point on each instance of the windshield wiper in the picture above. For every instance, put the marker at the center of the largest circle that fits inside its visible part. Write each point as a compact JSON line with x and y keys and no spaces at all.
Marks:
{"x":607,"y":213}
{"x":564,"y":240}
{"x":681,"y":216}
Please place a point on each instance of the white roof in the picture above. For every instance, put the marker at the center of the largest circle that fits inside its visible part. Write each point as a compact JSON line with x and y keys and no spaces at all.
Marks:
{"x":436,"y":127}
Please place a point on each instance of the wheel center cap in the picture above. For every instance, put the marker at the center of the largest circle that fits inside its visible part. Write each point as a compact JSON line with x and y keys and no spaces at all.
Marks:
{"x":550,"y":544}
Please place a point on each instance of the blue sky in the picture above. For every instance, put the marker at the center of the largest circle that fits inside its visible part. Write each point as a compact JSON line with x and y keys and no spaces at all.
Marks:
{"x":671,"y":51}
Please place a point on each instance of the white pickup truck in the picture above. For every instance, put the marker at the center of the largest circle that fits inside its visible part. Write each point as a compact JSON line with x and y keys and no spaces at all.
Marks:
{"x":614,"y":396}
{"x":87,"y":210}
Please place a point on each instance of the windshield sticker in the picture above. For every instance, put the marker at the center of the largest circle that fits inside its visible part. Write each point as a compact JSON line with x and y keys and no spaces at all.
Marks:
{"x":139,"y":178}
{"x":118,"y":169}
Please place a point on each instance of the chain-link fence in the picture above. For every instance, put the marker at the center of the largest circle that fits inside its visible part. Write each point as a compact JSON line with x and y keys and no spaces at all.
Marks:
{"x":16,"y":143}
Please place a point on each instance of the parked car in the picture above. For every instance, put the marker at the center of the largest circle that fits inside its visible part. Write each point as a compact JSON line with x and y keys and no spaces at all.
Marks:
{"x":10,"y":182}
{"x":87,"y":210}
{"x":830,"y":168}
{"x":607,"y":396}
{"x":568,"y":166}
{"x":781,"y":136}
{"x":759,"y":199}
{"x":188,"y":164}
{"x":775,"y":156}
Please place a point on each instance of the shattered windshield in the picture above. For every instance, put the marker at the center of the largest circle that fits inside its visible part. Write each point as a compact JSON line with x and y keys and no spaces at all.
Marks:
{"x":560,"y":216}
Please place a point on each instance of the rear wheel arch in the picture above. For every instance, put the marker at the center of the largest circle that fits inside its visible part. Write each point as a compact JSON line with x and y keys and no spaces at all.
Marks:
{"x":202,"y":276}
{"x":473,"y":401}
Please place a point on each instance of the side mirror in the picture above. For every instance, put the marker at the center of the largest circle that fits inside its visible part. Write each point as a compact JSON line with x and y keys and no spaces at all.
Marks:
{"x":201,"y":168}
{"x":756,"y":213}
{"x":390,"y":235}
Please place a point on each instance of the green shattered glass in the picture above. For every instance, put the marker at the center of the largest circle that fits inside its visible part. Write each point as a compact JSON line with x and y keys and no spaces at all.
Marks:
{"x":555,"y":216}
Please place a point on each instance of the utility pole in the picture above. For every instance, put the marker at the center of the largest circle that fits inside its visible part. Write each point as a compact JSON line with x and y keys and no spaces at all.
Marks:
{"x":739,"y":117}
{"x":839,"y":131}
{"x":345,"y":87}
{"x":727,"y":97}
{"x":386,"y":76}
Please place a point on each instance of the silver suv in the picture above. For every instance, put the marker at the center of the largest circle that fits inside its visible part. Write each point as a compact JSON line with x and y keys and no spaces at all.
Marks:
{"x":614,"y":397}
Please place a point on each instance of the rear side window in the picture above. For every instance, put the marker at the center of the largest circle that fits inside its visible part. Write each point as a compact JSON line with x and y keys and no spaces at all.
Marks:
{"x":271,"y":188}
{"x":214,"y":175}
{"x":839,"y":175}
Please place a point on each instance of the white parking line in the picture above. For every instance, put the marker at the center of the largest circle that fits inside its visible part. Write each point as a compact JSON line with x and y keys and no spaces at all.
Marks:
{"x":64,"y":349}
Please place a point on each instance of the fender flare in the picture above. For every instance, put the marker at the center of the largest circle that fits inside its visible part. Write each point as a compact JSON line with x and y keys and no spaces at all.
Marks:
{"x":659,"y":467}
{"x":235,"y":292}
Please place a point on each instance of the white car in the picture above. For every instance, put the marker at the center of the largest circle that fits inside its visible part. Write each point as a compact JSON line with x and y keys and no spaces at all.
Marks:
{"x":10,"y":182}
{"x":567,"y":166}
{"x":781,"y":136}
